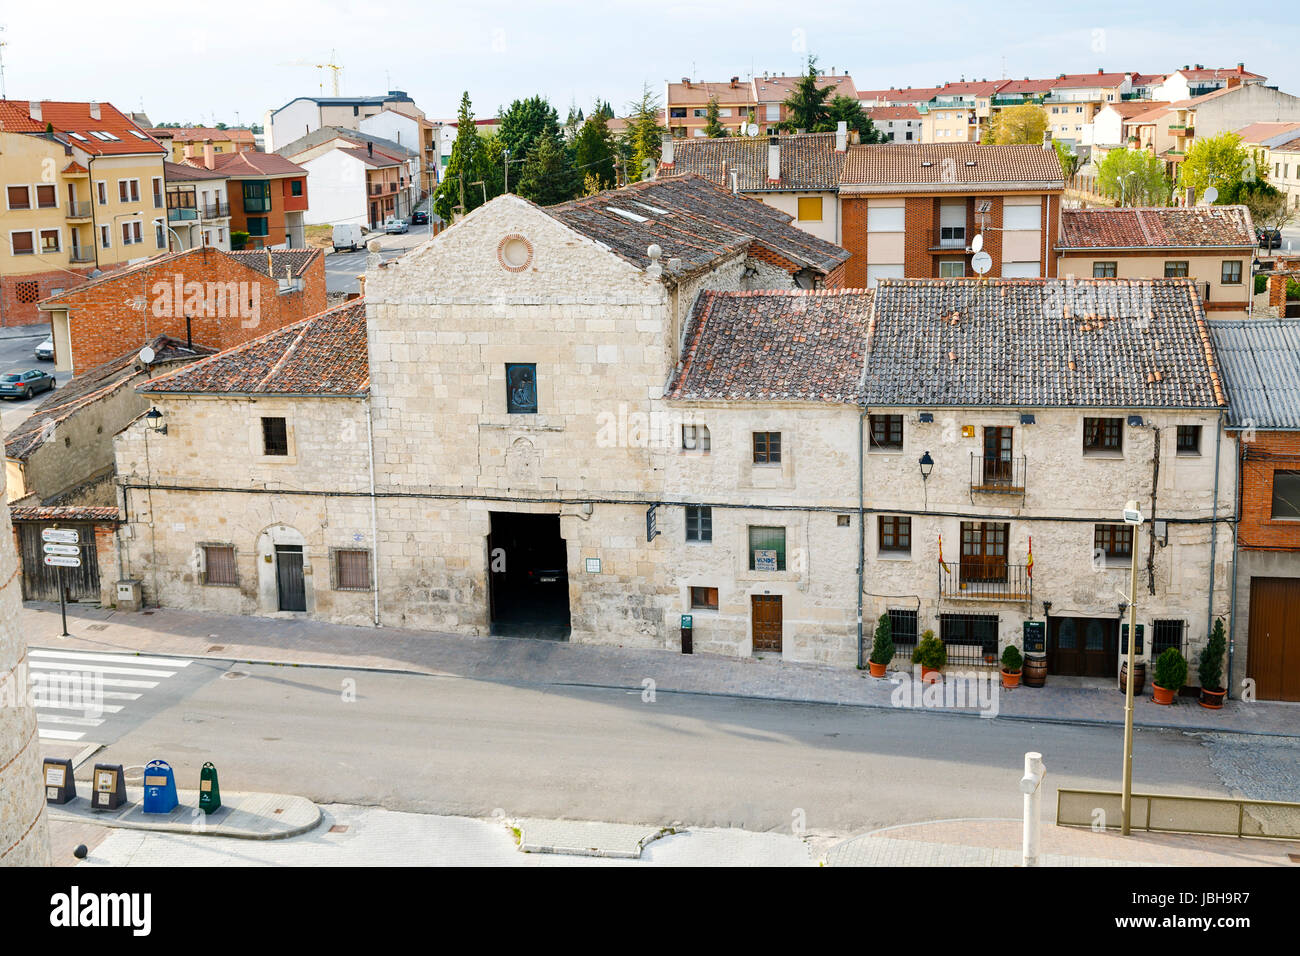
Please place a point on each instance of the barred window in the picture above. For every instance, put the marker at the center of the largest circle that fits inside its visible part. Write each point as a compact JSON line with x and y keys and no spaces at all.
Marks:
{"x":762,"y":541}
{"x":1113,"y":540}
{"x":275,"y":437}
{"x":699,"y":523}
{"x":895,"y":533}
{"x":886,"y":431}
{"x":1166,"y":634}
{"x":219,"y":565}
{"x":352,"y":570}
{"x":767,"y":448}
{"x":903,"y":626}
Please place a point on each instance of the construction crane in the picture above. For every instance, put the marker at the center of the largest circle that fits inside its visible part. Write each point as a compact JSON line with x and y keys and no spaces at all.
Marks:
{"x":331,"y":65}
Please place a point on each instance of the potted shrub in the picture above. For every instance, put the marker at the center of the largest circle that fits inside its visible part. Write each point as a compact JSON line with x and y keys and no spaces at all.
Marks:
{"x":931,"y":655}
{"x":1011,"y":664}
{"x":882,"y":647}
{"x":1171,"y":675}
{"x":1210,"y":670}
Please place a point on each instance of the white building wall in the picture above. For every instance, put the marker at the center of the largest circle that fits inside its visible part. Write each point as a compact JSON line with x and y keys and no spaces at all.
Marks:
{"x":336,"y":183}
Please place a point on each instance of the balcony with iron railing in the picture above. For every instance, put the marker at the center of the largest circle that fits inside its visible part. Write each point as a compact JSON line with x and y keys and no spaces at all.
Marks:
{"x":986,"y":578}
{"x":81,"y":254}
{"x":949,"y":238}
{"x":997,"y":475}
{"x":216,"y":210}
{"x":78,"y":210}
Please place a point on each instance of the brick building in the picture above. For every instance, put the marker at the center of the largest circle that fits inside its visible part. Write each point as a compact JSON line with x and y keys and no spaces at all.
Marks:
{"x":202,"y":296}
{"x":912,"y":210}
{"x":1261,"y":365}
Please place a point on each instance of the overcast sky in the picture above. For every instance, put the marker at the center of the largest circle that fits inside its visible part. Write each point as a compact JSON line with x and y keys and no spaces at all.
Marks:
{"x":202,"y":62}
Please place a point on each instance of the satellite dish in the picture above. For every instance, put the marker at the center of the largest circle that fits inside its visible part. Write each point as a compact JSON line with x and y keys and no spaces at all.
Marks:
{"x":147,"y":355}
{"x":751,"y":129}
{"x":1211,"y":194}
{"x":981,"y":262}
{"x":977,"y":243}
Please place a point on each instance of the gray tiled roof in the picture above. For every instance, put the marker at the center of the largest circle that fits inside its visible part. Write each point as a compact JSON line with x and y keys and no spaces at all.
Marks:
{"x":782,"y":345}
{"x":1261,"y":370}
{"x":1114,"y":343}
{"x":693,"y":220}
{"x":808,"y":161}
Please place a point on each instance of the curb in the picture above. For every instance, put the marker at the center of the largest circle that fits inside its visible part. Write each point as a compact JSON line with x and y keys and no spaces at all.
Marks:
{"x":84,"y":813}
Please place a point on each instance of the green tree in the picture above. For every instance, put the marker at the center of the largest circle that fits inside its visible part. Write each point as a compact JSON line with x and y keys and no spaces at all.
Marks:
{"x":713,"y":127}
{"x":807,"y":105}
{"x":1025,"y":123}
{"x":1068,"y":157}
{"x":1220,"y":161}
{"x":1135,"y":177}
{"x":548,"y":176}
{"x":644,"y":138}
{"x":1268,"y":206}
{"x":849,"y":110}
{"x":594,"y":150}
{"x":525,"y":123}
{"x":465,"y":165}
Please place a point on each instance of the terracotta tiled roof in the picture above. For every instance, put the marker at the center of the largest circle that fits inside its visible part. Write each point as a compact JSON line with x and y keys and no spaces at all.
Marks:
{"x":1288,"y":147}
{"x":74,"y":118}
{"x":87,"y":388}
{"x":199,"y":134}
{"x":74,"y":167}
{"x":1257,"y":133}
{"x":1026,"y":86}
{"x":779,"y":88}
{"x":878,"y":113}
{"x":920,"y":94}
{"x":900,"y":167}
{"x":692,"y":220}
{"x":774,"y":346}
{"x":253,"y":163}
{"x":1157,"y":228}
{"x":1083,"y":81}
{"x":272,"y":262}
{"x":1128,"y":109}
{"x":1222,"y":73}
{"x":808,"y":161}
{"x":181,"y":173}
{"x":972,"y":88}
{"x":323,"y":355}
{"x":70,"y":513}
{"x":1149,"y":116}
{"x":741,"y":94}
{"x":1038,"y":343}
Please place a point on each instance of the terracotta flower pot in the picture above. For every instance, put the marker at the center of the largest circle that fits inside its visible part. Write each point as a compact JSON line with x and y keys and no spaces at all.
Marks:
{"x":930,"y":675}
{"x":1212,"y":699}
{"x":1010,"y":679}
{"x":877,"y":670}
{"x":1163,"y":695}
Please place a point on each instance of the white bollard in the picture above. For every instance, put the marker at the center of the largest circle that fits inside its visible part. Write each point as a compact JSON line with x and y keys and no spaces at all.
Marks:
{"x":1031,"y":786}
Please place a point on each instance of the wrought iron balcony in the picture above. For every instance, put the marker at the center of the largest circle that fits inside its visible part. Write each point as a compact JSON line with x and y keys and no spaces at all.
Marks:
{"x":996,"y":475}
{"x":987,"y":578}
{"x":78,"y":210}
{"x":216,"y":210}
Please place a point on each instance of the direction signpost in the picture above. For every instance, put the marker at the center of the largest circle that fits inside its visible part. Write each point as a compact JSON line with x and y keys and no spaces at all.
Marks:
{"x":62,"y":551}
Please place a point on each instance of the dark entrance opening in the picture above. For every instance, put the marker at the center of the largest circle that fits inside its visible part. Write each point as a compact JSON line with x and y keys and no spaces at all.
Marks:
{"x":528,"y":573}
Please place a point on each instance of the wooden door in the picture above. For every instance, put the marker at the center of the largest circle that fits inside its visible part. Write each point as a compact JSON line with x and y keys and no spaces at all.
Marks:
{"x":766,"y":613}
{"x":1273,"y":656}
{"x":288,"y":577}
{"x":983,"y":551}
{"x":1083,"y":646}
{"x":997,"y":456}
{"x":41,"y":582}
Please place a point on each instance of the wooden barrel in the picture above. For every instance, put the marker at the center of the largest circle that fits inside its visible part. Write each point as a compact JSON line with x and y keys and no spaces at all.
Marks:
{"x":1139,"y":677}
{"x":1035,"y":670}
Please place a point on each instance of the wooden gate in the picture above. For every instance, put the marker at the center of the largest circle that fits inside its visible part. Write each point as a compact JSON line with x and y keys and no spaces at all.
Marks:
{"x":766,"y":613}
{"x":41,"y":582}
{"x":1273,"y":660}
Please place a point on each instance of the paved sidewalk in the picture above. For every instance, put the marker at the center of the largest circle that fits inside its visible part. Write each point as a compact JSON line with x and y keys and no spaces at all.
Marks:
{"x":246,"y":816}
{"x":527,"y":662}
{"x":998,"y":843}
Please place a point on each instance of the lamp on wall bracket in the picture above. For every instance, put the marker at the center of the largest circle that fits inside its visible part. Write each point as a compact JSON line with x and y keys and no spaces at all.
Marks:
{"x":1047,"y":608}
{"x":153,"y":419}
{"x":927,"y":466}
{"x":1123,"y":606}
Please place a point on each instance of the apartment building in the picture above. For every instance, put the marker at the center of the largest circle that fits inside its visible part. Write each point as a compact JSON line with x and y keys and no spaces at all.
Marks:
{"x":268,"y":197}
{"x":185,"y":142}
{"x":1075,"y":99}
{"x":1193,"y":81}
{"x":303,"y":114}
{"x":898,"y":124}
{"x":897,"y":96}
{"x":771,"y":92}
{"x":1285,"y":159}
{"x":687,"y":104}
{"x":1211,"y":245}
{"x":1111,"y":124}
{"x":356,"y":177}
{"x":912,"y":211}
{"x":198,"y":207}
{"x":87,"y":195}
{"x":797,"y":174}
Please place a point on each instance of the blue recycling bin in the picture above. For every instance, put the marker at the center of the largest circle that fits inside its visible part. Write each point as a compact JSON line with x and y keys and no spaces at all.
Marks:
{"x":159,"y":787}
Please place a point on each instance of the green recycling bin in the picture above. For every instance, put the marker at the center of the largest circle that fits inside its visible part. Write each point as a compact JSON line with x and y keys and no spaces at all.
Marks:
{"x":209,"y":789}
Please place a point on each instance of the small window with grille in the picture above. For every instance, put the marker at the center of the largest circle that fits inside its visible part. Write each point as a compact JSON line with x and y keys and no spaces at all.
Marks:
{"x":351,"y":570}
{"x":219,"y":565}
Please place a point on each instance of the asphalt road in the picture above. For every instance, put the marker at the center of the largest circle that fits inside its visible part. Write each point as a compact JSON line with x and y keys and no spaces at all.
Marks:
{"x":16,"y":356}
{"x":457,"y":746}
{"x":342,"y":268}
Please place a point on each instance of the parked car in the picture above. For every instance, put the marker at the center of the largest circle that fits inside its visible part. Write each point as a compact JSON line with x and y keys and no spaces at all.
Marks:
{"x":45,"y":351}
{"x":1270,"y":239}
{"x":25,"y":384}
{"x":419,"y":218}
{"x":392,"y":226}
{"x":349,"y":236}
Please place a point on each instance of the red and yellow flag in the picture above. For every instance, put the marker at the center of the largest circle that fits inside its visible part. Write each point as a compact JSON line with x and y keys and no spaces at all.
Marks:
{"x":942,"y":564}
{"x":1029,"y":564}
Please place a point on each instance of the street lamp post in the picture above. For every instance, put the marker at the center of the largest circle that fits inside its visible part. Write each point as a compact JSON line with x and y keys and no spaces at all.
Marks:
{"x":1132,"y":518}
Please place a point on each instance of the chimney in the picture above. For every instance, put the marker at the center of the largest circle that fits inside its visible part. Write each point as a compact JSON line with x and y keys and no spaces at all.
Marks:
{"x":1241,"y":67}
{"x":686,"y":82}
{"x":773,"y":160}
{"x":735,"y":82}
{"x":370,"y":148}
{"x":34,"y":107}
{"x":209,"y":155}
{"x":735,"y":182}
{"x":1047,"y":139}
{"x":666,"y":151}
{"x":1234,"y":81}
{"x":187,"y":151}
{"x":94,"y":110}
{"x":1189,"y":200}
{"x":841,"y":136}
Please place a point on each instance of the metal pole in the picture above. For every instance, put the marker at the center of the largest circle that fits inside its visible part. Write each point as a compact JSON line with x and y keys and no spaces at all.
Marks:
{"x":1031,"y":786}
{"x":63,"y":606}
{"x":1126,"y":795}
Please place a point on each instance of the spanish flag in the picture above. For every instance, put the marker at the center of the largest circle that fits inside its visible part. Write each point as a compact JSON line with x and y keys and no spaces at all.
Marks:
{"x":1029,"y":564}
{"x":942,"y":564}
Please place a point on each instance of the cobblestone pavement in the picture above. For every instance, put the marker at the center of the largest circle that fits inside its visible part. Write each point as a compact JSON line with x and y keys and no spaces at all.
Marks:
{"x":522,"y":661}
{"x":367,"y":836}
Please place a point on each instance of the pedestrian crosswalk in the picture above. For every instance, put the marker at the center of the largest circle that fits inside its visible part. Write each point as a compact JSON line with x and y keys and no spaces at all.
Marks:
{"x":76,"y":692}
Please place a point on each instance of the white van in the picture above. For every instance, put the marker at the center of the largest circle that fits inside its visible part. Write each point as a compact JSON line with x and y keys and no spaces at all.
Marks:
{"x":348,"y":236}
